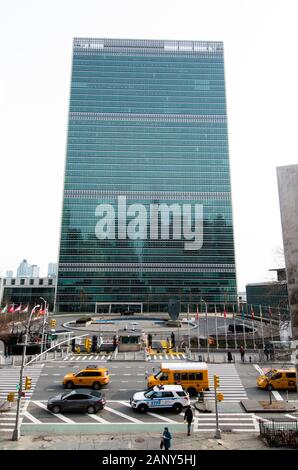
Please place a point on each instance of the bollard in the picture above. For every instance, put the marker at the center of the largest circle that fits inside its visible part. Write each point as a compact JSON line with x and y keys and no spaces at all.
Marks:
{"x":249,"y":358}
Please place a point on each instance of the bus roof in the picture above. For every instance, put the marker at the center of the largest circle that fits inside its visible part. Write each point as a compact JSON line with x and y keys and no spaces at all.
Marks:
{"x":184,"y":365}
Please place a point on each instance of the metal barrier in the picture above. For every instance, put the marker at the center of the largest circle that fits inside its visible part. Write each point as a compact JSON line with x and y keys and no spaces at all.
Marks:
{"x":280,"y":432}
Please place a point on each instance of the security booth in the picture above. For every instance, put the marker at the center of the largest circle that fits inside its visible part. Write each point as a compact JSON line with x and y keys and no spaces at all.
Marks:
{"x":130,"y":340}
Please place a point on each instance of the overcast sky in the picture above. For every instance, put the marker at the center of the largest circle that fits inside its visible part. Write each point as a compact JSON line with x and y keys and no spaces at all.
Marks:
{"x":260,"y":40}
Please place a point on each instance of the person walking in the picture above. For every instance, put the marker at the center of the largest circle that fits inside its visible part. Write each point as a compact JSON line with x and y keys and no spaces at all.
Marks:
{"x":188,"y":418}
{"x":230,"y":357}
{"x":242,"y":353}
{"x":267,"y":351}
{"x":166,"y":439}
{"x":172,"y":340}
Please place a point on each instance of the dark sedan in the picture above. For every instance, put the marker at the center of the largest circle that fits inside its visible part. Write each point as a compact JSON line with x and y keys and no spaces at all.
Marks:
{"x":86,"y":401}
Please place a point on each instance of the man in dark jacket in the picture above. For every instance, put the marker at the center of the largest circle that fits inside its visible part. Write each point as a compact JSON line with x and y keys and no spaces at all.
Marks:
{"x":188,"y":417}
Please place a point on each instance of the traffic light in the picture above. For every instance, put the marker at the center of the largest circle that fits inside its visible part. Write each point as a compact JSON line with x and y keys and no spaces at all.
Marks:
{"x":219,"y":396}
{"x":53,"y":323}
{"x":88,"y":344}
{"x":28,"y":382}
{"x":216,"y":381}
{"x":10,"y":397}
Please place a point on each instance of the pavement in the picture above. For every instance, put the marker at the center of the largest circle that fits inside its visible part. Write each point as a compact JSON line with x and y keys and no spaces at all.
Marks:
{"x":147,"y":441}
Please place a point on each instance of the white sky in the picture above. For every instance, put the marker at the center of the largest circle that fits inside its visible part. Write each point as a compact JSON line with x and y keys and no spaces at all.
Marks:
{"x":261,"y":38}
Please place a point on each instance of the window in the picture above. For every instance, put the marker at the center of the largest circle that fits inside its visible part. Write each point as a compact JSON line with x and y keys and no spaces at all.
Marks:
{"x":157,"y":395}
{"x":184,"y":376}
{"x":176,"y":376}
{"x":40,"y":282}
{"x":277,"y":376}
{"x":199,"y":376}
{"x":4,"y":282}
{"x":50,"y":282}
{"x":192,"y":376}
{"x":164,"y":377}
{"x":76,"y":397}
{"x":22,"y":282}
{"x":181,"y":394}
{"x":167,"y":395}
{"x":31,"y":282}
{"x":291,"y":375}
{"x":13,"y":281}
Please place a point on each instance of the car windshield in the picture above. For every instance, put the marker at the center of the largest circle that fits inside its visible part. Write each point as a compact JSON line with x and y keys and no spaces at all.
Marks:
{"x":149,"y":393}
{"x":158,"y":375}
{"x":64,"y":395}
{"x":270,"y":373}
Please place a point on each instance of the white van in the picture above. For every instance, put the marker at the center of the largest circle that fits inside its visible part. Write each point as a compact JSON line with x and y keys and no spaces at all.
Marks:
{"x":161,"y":396}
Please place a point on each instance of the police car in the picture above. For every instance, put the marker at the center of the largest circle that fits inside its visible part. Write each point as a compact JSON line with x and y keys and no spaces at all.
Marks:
{"x":161,"y":396}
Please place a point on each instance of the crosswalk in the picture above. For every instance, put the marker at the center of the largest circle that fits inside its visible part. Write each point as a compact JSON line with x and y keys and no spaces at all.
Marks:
{"x":87,"y":357}
{"x":9,"y":379}
{"x":230,"y":383}
{"x":119,"y":412}
{"x":167,"y":357}
{"x":233,"y":422}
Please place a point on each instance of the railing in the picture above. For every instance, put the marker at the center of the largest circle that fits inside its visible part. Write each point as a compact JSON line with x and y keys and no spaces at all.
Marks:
{"x":280,"y":432}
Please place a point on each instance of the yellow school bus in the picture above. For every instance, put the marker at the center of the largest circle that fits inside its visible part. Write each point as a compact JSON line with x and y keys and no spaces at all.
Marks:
{"x":193,"y":376}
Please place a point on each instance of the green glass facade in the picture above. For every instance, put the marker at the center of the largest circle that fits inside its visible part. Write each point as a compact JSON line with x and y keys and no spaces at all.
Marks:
{"x":147,"y":121}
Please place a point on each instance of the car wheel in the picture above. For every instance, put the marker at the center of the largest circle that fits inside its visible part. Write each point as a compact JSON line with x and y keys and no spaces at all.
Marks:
{"x":192,"y":392}
{"x":69,"y":384}
{"x":56,"y":409}
{"x":269,"y":387}
{"x":90,"y":410}
{"x":142,"y":408}
{"x":96,"y":385}
{"x":177,"y":408}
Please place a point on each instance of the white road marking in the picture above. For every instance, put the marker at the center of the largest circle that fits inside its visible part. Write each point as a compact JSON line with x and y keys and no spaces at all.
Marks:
{"x":77,"y":358}
{"x":277,"y":395}
{"x":59,"y":415}
{"x":291,"y":416}
{"x":97,"y":418}
{"x":65,"y":359}
{"x":134,"y":420}
{"x":258,"y":368}
{"x":32,"y":418}
{"x":96,"y":357}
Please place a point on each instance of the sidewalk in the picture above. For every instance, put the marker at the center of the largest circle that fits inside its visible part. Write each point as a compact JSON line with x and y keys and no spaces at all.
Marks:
{"x":148,"y":441}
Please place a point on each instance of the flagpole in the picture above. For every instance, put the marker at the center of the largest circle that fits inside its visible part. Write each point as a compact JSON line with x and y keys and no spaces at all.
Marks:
{"x":188,"y":327}
{"x":261,"y":316}
{"x":226,"y":333}
{"x":279,"y":322}
{"x":253,"y":325}
{"x":244,"y":335}
{"x":198,"y":328}
{"x":271,"y":333}
{"x":235,"y":336}
{"x":216,"y":332}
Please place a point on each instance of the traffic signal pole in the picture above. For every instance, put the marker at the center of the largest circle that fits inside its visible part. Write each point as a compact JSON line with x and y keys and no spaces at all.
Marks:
{"x":17,"y":432}
{"x":217,"y":430}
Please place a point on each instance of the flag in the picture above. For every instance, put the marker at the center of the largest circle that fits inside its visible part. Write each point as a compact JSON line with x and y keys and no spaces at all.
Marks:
{"x":197,"y":314}
{"x":41,"y":312}
{"x":4,"y":310}
{"x":26,"y":309}
{"x":19,"y":308}
{"x":11,"y":308}
{"x":252,"y":313}
{"x":225,"y":312}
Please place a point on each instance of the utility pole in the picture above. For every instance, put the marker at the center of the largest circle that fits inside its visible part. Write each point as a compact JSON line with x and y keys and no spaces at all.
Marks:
{"x":217,"y":396}
{"x":43,"y":325}
{"x":16,"y":432}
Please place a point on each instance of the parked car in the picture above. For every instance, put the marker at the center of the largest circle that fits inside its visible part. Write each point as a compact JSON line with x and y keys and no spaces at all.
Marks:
{"x":239,"y":328}
{"x":86,"y":401}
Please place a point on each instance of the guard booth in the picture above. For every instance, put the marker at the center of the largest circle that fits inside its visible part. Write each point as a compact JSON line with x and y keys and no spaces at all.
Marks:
{"x":130,"y":340}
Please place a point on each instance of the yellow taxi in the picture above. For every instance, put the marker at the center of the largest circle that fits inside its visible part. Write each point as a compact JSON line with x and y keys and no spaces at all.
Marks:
{"x":92,"y":376}
{"x":278,"y":379}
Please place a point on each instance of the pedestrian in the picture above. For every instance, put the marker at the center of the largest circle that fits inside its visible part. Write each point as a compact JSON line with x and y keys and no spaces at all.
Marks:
{"x":166,"y":439}
{"x":149,"y":340}
{"x":168,"y":345}
{"x":230,"y":357}
{"x":267,"y":351}
{"x":242,"y":352}
{"x":188,"y":418}
{"x":173,"y":340}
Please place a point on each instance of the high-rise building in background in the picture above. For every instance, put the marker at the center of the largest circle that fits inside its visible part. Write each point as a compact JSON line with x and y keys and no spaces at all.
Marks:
{"x":34,"y":270}
{"x":9,"y":274}
{"x":24,"y":269}
{"x":147,"y":144}
{"x":52,"y":269}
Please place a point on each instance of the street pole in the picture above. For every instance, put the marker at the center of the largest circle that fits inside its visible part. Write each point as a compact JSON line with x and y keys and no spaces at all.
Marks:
{"x":243,"y":325}
{"x":216,"y":332}
{"x":235,"y":335}
{"x":198,"y":328}
{"x":188,"y":327}
{"x":261,"y":316}
{"x":217,"y":431}
{"x":17,"y":432}
{"x":226,"y":332}
{"x":207,"y":328}
{"x":43,"y":325}
{"x":271,"y":332}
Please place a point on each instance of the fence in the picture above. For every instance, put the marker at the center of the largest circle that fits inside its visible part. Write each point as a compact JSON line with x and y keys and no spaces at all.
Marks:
{"x":280,"y":432}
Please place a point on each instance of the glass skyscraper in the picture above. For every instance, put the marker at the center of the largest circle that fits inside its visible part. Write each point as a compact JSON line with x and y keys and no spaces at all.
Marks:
{"x":147,"y":127}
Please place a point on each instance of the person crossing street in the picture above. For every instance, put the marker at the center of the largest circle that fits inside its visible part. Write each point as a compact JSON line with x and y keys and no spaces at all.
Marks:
{"x":188,"y":418}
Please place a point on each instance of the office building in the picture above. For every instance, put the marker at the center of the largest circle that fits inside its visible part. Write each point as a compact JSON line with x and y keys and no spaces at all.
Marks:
{"x":52,"y":269}
{"x":147,"y":212}
{"x":24,"y":269}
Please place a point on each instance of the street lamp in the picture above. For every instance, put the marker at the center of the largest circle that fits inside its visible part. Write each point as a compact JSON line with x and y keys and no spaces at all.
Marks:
{"x":44,"y":323}
{"x":207,"y":337}
{"x":16,"y":432}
